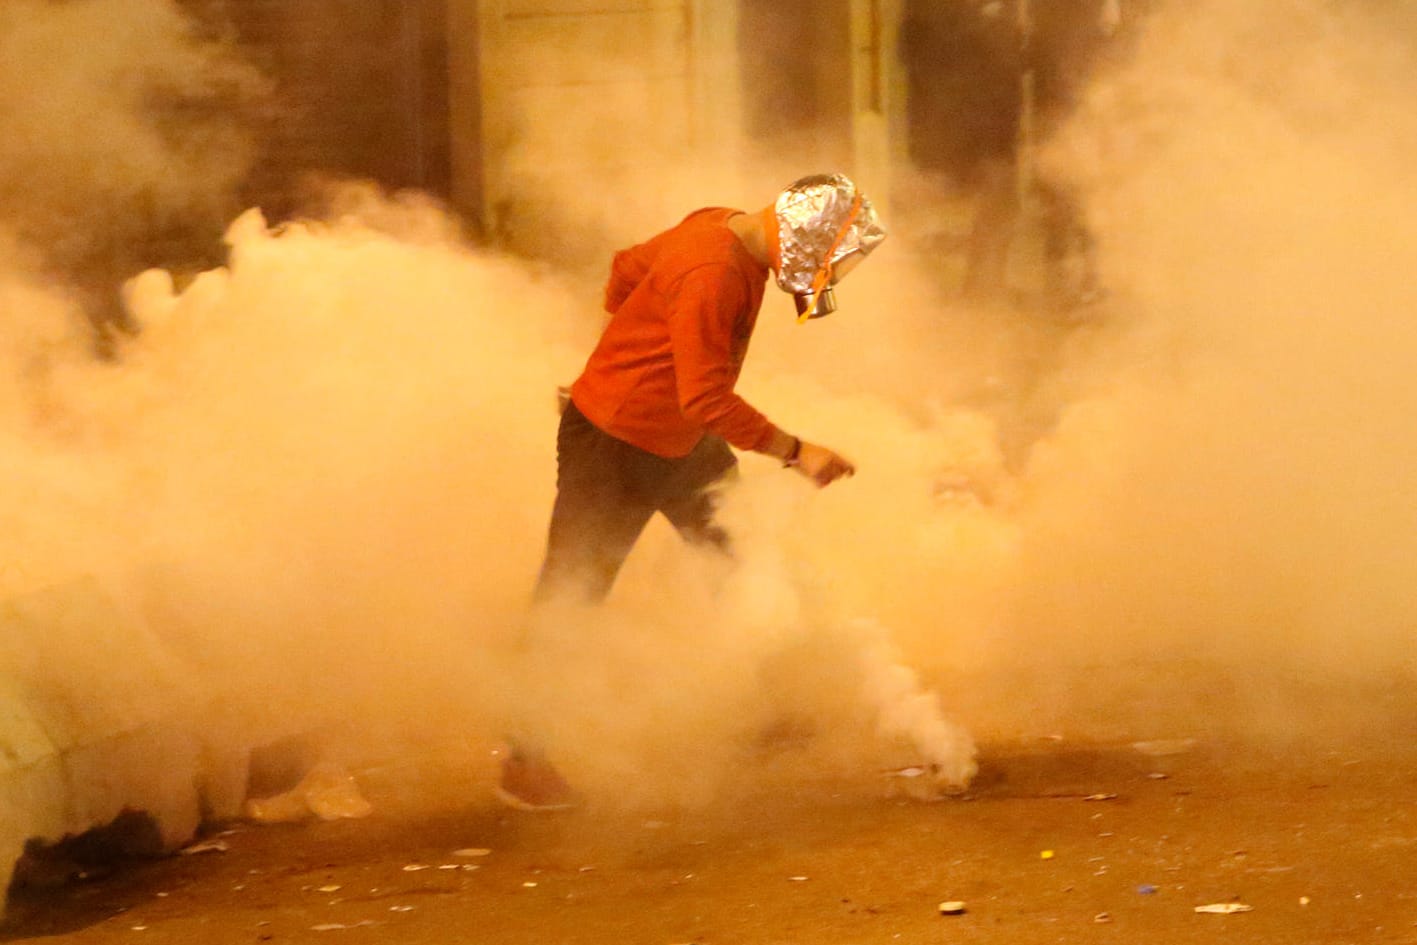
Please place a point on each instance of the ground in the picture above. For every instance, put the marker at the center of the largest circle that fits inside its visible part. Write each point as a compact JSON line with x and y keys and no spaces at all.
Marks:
{"x":1057,"y":842}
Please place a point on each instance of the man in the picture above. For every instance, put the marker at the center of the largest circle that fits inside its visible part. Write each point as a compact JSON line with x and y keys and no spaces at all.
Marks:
{"x":652,"y":420}
{"x":652,"y":417}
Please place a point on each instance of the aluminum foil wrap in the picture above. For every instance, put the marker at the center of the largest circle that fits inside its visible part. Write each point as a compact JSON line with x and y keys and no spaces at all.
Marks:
{"x":811,"y":217}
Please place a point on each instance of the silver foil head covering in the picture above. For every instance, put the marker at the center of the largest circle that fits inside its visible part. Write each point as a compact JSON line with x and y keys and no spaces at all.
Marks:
{"x":819,"y":224}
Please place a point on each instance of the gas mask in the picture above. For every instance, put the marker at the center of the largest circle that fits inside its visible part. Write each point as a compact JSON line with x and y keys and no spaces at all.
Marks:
{"x":825,"y":226}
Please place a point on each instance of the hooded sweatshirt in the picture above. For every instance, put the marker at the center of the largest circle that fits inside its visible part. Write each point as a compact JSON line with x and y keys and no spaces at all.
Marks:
{"x":682,"y":306}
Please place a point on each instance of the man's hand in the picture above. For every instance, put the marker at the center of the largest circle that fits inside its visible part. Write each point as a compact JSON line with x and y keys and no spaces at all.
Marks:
{"x":821,"y":465}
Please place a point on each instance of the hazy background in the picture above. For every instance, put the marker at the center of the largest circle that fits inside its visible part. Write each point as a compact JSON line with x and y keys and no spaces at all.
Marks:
{"x":323,"y":472}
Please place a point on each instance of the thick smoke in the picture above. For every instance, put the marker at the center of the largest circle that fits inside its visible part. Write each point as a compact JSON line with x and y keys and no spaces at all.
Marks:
{"x":127,"y":135}
{"x":322,"y":472}
{"x":1228,"y":484}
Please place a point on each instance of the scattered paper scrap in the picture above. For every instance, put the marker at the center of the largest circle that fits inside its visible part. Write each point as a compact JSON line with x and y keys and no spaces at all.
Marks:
{"x":797,"y":879}
{"x":1225,"y":908}
{"x":205,"y":846}
{"x":1100,"y":797}
{"x":1162,"y":747}
{"x":1046,"y":855}
{"x":415,"y":867}
{"x":914,"y":771}
{"x":333,"y":887}
{"x":1146,"y":889}
{"x":1102,"y":917}
{"x":952,"y":907}
{"x":1304,"y":900}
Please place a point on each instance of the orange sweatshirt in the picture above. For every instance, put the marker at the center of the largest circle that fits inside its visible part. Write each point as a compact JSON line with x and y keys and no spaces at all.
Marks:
{"x":683,"y":306}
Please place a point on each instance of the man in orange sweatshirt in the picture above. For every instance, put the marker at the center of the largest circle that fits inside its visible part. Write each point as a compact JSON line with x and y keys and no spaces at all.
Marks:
{"x":653,"y":419}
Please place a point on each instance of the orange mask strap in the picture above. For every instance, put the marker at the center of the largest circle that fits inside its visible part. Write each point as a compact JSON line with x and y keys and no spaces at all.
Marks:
{"x":769,"y":218}
{"x":824,"y":274}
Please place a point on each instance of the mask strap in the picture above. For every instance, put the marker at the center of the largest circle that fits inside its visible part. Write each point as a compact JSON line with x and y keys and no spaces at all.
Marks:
{"x":774,"y":239}
{"x":819,"y":281}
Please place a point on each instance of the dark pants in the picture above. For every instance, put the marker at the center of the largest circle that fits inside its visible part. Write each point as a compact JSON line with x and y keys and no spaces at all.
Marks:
{"x":607,"y":491}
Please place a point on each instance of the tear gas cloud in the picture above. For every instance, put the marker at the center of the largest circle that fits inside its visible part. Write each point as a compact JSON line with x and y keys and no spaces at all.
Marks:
{"x":322,"y":473}
{"x":120,"y":119}
{"x":1229,"y":479}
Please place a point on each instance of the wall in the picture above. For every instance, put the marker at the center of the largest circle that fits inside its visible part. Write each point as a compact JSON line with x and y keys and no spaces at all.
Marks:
{"x":563,"y":111}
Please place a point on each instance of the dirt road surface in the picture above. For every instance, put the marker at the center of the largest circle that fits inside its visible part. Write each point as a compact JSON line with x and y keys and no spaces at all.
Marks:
{"x":1057,"y":842}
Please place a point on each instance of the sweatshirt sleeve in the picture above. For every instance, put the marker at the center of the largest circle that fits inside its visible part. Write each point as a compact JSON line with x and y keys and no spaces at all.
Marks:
{"x":704,"y":318}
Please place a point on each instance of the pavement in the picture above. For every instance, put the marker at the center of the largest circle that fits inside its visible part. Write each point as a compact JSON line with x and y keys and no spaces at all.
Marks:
{"x":1060,"y":841}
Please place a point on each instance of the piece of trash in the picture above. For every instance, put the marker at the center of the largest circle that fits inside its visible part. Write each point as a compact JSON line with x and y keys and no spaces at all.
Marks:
{"x":1158,"y":776}
{"x":529,"y":884}
{"x":1163,"y":747}
{"x":1100,"y":797}
{"x":205,"y":846}
{"x":1146,"y":889}
{"x":923,"y":783}
{"x":1303,"y":900}
{"x":140,"y":928}
{"x":914,"y":771}
{"x":449,"y":866}
{"x":471,"y":852}
{"x":1046,"y":855}
{"x":400,"y":908}
{"x":415,"y":867}
{"x":330,"y":888}
{"x":332,"y":926}
{"x":952,"y":907}
{"x":797,"y":879}
{"x":1225,"y":908}
{"x":469,"y":867}
{"x":1102,"y":917}
{"x":327,"y":791}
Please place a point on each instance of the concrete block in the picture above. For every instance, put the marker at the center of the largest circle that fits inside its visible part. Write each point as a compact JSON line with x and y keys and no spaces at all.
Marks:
{"x":96,"y":718}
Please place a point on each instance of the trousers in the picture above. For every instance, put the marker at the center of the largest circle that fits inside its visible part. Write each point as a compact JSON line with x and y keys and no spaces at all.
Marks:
{"x":607,"y":490}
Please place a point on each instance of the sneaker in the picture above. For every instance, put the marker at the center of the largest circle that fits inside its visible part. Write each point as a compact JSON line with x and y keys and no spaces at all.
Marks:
{"x":529,"y":782}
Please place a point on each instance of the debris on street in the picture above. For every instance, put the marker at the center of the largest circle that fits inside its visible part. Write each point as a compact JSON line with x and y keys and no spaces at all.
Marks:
{"x":1164,"y":747}
{"x":1225,"y":908}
